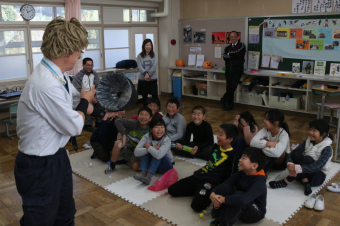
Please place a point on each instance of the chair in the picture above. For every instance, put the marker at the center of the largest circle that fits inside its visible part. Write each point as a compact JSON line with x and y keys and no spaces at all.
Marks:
{"x":12,"y":119}
{"x":328,"y":105}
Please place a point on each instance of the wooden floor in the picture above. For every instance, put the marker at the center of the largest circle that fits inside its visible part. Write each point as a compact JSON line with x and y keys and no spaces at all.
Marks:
{"x":95,"y":206}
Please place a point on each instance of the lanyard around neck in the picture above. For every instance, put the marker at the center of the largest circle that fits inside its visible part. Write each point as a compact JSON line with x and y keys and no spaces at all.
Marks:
{"x":63,"y":82}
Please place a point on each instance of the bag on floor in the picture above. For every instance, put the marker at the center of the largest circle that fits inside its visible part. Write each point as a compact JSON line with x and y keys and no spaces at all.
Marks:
{"x":167,"y":179}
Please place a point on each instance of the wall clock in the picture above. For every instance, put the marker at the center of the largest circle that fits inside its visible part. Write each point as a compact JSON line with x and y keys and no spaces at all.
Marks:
{"x":27,"y":12}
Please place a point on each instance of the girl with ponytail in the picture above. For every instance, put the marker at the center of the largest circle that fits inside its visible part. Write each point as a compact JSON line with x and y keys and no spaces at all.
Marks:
{"x":311,"y":160}
{"x":273,"y":139}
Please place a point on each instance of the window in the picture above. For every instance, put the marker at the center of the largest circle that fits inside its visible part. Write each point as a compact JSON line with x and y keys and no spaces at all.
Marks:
{"x":11,"y":13}
{"x":116,"y":44}
{"x":89,"y":14}
{"x":43,"y":13}
{"x":93,"y":49}
{"x":138,"y":43}
{"x":143,"y":15}
{"x":13,"y":57}
{"x":36,"y":37}
{"x":60,"y":11}
{"x":116,"y":15}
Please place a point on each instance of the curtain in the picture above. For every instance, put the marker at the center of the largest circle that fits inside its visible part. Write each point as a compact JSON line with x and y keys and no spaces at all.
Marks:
{"x":73,"y":9}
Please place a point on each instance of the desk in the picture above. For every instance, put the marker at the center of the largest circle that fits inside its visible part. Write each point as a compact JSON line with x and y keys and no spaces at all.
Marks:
{"x":325,"y":91}
{"x":9,"y":101}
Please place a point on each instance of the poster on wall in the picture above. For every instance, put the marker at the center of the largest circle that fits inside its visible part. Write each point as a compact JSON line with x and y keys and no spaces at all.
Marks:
{"x":332,"y":45}
{"x":269,"y":33}
{"x":228,"y":39}
{"x":336,"y":34}
{"x":282,"y":33}
{"x":324,"y":34}
{"x":316,"y":44}
{"x":187,"y":35}
{"x":309,"y":33}
{"x":302,"y":44}
{"x":320,"y":67}
{"x":301,"y":6}
{"x":218,"y":37}
{"x":254,"y":39}
{"x":199,"y":37}
{"x":295,"y":33}
{"x":322,"y":6}
{"x":336,"y":6}
{"x":335,"y":69}
{"x":308,"y":67}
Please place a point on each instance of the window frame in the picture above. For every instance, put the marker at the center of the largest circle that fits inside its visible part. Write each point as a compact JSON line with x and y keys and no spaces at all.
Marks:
{"x":115,"y":7}
{"x":88,"y":7}
{"x":11,"y":22}
{"x":138,"y":22}
{"x":129,"y":41}
{"x":101,"y":46}
{"x":27,"y":54}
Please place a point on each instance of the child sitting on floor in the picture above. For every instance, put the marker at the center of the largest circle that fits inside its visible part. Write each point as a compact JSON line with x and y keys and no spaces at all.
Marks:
{"x":273,"y":139}
{"x":247,"y":128}
{"x":132,"y":132}
{"x":311,"y":160}
{"x":104,"y":137}
{"x":203,"y":137}
{"x":154,"y":152}
{"x":154,"y":105}
{"x":174,"y":122}
{"x":244,"y":195}
{"x":221,"y":165}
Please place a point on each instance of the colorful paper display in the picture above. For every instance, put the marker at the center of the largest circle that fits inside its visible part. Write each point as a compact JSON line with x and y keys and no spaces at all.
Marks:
{"x":316,"y":44}
{"x":295,"y":33}
{"x":309,"y":33}
{"x":324,"y":34}
{"x":302,"y":44}
{"x":332,"y":45}
{"x":282,"y":33}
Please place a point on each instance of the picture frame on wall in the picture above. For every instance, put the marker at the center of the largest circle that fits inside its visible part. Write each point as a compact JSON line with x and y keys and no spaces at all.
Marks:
{"x":187,"y":35}
{"x":218,"y":37}
{"x":199,"y":37}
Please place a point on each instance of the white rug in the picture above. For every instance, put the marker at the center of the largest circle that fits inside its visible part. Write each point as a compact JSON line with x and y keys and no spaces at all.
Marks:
{"x":282,"y":203}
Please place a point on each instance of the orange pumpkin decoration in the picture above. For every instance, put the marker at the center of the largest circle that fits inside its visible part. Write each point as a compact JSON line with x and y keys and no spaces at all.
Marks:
{"x":207,"y":65}
{"x":179,"y":63}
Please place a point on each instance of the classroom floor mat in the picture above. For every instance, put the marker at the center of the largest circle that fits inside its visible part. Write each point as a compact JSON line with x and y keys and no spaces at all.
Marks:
{"x":281,"y":203}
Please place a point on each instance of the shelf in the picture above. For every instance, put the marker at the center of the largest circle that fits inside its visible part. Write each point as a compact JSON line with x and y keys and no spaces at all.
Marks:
{"x":217,"y":80}
{"x":252,"y":104}
{"x":200,"y":79}
{"x":215,"y":97}
{"x":255,"y":85}
{"x":282,"y":87}
{"x":192,"y":95}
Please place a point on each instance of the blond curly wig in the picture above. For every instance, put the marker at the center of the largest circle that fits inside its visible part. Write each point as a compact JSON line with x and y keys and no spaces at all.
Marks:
{"x":63,"y":38}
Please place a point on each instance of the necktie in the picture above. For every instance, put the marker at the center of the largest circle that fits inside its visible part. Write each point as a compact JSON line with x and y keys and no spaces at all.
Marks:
{"x":233,"y":47}
{"x":66,"y":84}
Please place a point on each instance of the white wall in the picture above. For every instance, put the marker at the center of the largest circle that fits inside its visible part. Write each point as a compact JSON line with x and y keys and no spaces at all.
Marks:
{"x":167,"y":30}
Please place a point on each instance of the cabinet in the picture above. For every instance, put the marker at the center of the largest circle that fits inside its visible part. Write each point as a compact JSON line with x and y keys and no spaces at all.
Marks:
{"x":264,"y":95}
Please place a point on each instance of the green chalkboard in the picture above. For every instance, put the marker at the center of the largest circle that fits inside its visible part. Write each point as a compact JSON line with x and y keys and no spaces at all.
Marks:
{"x":286,"y":65}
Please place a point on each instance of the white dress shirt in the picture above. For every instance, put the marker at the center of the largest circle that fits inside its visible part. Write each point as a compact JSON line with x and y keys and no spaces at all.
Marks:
{"x":45,"y":119}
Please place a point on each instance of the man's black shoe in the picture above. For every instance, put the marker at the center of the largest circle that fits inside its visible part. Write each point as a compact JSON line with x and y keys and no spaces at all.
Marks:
{"x":224,"y":105}
{"x":88,"y":128}
{"x":94,"y":155}
{"x":228,"y":108}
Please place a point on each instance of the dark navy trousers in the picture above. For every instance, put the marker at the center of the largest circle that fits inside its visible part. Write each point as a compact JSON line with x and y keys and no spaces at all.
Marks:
{"x":46,"y":188}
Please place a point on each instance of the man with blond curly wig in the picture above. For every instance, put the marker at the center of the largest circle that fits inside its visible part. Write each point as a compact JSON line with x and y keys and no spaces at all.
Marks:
{"x":45,"y":123}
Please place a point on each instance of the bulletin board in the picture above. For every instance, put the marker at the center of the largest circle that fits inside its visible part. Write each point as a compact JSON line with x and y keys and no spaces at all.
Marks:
{"x":204,"y":29}
{"x":298,"y":38}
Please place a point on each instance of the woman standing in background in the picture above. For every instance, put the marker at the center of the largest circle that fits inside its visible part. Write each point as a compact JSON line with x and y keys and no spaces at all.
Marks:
{"x":147,"y":64}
